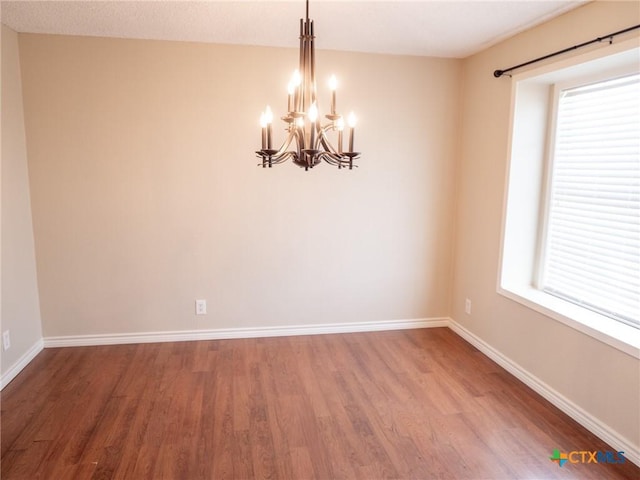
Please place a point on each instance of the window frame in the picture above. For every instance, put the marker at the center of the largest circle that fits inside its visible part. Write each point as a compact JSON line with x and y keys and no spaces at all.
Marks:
{"x":549,"y":165}
{"x":521,"y":282}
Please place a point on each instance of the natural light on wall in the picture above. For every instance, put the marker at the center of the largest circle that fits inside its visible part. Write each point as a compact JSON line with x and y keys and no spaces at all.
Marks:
{"x":571,"y":234}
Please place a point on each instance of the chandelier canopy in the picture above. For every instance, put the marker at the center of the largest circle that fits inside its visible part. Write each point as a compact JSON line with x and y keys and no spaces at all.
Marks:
{"x":307,"y":140}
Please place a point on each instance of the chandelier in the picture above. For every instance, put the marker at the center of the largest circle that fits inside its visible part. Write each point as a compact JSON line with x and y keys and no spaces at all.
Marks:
{"x":307,"y":140}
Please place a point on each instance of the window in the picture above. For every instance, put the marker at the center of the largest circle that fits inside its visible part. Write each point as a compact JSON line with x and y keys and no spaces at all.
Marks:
{"x":571,"y":220}
{"x":591,"y":247}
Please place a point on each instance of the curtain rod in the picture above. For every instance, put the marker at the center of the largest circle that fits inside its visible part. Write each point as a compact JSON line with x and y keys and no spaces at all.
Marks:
{"x":499,"y":73}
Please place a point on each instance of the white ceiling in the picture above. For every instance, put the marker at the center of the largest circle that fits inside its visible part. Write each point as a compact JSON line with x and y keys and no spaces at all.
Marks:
{"x":432,"y":28}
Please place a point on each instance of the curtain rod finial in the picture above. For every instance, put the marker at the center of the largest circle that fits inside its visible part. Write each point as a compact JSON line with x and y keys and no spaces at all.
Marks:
{"x":498,"y":73}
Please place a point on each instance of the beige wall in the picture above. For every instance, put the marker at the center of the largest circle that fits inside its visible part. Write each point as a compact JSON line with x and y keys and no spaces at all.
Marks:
{"x":600,"y":379}
{"x":146,"y":195}
{"x":20,"y":308}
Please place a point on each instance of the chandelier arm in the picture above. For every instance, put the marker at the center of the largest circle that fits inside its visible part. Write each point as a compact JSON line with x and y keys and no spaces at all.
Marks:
{"x":312,"y":47}
{"x":284,"y":157}
{"x":328,"y":147}
{"x":341,"y":160}
{"x":344,"y":156}
{"x":267,"y":163}
{"x":329,"y":159}
{"x":299,"y":100}
{"x":283,"y":148}
{"x":337,"y":161}
{"x":299,"y":136}
{"x":304,"y":54}
{"x":275,"y":157}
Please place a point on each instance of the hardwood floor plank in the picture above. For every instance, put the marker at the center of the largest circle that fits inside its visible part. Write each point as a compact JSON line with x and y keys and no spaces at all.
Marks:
{"x":260,"y":432}
{"x":416,"y":404}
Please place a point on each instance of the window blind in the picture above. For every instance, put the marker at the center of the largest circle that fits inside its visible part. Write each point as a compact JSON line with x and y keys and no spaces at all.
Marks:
{"x":592,"y":247}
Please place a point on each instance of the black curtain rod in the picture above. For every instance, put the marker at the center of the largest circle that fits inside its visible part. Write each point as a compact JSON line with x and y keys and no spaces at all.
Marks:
{"x":499,"y":73}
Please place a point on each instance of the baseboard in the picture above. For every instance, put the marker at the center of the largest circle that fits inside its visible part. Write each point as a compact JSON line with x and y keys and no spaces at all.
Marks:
{"x":588,"y":421}
{"x":251,"y":332}
{"x":618,"y":442}
{"x":22,"y":362}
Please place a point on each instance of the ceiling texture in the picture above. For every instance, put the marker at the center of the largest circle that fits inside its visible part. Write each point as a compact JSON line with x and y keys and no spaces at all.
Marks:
{"x":450,"y":28}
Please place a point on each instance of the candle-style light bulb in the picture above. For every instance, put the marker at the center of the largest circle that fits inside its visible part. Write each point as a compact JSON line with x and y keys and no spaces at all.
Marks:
{"x":268,"y":118}
{"x":290,"y":91}
{"x":313,"y":112}
{"x":296,"y":80}
{"x":352,"y":120}
{"x":340,"y":128}
{"x":333,"y":84}
{"x":352,"y":124}
{"x":263,"y":124}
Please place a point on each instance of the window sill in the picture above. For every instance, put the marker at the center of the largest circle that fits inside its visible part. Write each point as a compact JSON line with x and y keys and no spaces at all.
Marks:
{"x":618,"y":335}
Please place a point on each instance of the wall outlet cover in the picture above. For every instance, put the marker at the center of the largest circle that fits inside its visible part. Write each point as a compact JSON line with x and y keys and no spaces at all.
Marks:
{"x":201,"y":307}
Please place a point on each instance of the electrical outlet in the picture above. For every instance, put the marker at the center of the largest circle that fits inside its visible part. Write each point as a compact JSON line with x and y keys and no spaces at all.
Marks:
{"x":6,"y":340}
{"x":201,"y":307}
{"x":467,"y":306}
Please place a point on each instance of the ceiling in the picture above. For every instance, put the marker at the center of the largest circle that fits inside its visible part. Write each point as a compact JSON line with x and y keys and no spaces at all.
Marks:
{"x":430,"y":28}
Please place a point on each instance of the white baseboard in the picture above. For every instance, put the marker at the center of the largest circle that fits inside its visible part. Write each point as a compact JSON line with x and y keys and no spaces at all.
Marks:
{"x":22,"y":362}
{"x":588,"y":421}
{"x":251,"y":332}
{"x":617,"y":441}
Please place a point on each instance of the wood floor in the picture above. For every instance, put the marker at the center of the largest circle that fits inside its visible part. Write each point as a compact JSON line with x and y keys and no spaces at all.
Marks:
{"x":415,"y":404}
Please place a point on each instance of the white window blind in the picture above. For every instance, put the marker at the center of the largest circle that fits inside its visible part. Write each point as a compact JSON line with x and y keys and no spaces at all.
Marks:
{"x":591,"y":255}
